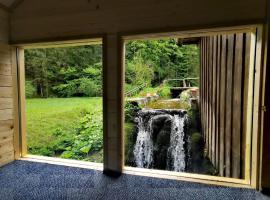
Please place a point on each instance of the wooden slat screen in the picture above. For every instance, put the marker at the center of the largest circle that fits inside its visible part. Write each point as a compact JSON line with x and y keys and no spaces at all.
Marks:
{"x":223,"y":62}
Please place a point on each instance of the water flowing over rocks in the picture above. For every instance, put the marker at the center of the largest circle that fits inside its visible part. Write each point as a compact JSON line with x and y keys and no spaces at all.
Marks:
{"x":162,"y":142}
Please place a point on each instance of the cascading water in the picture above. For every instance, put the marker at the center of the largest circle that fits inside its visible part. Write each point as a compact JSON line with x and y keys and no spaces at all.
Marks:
{"x":143,"y":150}
{"x":155,"y":127}
{"x":176,"y":149}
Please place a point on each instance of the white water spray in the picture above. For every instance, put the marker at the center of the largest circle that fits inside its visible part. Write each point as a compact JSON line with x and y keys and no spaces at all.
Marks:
{"x":176,"y":149}
{"x":143,"y":150}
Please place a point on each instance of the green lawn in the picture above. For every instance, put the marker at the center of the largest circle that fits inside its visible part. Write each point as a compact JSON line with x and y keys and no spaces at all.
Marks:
{"x":47,"y":117}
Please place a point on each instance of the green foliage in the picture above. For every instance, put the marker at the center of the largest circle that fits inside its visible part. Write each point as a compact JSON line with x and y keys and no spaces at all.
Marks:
{"x":79,"y":87}
{"x":65,"y":127}
{"x":166,"y":57}
{"x":60,"y":71}
{"x":77,"y":71}
{"x":164,"y":92}
{"x":30,"y":90}
{"x":131,"y":110}
{"x":138,"y":72}
{"x":89,"y":137}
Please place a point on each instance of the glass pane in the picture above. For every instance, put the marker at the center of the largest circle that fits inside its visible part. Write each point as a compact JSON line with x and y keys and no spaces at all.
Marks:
{"x":185,"y":104}
{"x":64,"y":102}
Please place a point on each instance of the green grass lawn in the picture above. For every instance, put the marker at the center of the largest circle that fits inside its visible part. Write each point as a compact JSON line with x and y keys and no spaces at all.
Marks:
{"x":45,"y":117}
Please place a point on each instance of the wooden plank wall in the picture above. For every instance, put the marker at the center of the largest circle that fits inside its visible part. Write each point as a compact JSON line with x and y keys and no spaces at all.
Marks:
{"x":6,"y":93}
{"x":223,"y":68}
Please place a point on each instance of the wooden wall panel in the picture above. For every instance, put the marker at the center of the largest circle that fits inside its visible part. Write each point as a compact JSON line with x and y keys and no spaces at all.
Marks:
{"x":223,"y":96}
{"x":6,"y":93}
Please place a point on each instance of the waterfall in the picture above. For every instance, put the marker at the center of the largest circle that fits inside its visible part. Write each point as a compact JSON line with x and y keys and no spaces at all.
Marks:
{"x":143,"y":150}
{"x":152,"y":125}
{"x":176,"y":149}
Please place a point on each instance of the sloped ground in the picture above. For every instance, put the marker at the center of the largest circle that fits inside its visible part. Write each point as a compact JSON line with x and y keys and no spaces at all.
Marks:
{"x":28,"y":180}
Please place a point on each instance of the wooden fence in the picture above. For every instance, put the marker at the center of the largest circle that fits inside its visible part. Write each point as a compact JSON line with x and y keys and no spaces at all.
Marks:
{"x":224,"y":63}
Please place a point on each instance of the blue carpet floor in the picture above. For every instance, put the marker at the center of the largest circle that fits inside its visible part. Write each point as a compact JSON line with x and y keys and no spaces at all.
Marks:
{"x":29,"y":180}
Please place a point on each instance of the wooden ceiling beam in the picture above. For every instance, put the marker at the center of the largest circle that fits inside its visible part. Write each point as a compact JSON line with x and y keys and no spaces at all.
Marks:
{"x":4,"y":7}
{"x":15,"y":4}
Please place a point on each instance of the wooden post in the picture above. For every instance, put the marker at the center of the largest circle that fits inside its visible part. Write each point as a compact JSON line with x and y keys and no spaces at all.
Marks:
{"x":113,"y":104}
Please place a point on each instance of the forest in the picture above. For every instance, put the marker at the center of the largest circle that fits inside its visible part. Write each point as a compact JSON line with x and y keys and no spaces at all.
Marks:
{"x":64,"y":91}
{"x":77,"y":71}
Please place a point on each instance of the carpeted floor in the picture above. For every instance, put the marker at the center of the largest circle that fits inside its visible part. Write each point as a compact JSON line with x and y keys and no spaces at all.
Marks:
{"x":29,"y":180}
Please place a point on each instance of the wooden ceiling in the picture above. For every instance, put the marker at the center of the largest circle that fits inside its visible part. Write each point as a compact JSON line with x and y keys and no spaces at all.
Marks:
{"x":9,"y":4}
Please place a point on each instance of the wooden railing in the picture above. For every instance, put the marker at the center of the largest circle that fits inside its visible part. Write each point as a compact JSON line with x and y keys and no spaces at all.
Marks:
{"x":184,"y":82}
{"x":134,"y":90}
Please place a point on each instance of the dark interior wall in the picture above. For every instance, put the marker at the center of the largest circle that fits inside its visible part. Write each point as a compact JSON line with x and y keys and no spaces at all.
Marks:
{"x":266,"y":136}
{"x":265,"y":156}
{"x":37,"y":19}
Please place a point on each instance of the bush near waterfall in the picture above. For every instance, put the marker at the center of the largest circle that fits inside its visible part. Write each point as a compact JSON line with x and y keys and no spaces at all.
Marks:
{"x":131,"y":109}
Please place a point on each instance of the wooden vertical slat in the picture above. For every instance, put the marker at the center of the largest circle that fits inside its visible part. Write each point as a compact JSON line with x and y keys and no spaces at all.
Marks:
{"x":236,"y":107}
{"x":213,"y":102}
{"x":210,"y":96}
{"x":206,"y":93}
{"x":217,"y":101}
{"x":203,"y":87}
{"x":245,"y":103}
{"x":201,"y":81}
{"x":222,"y":106}
{"x":229,"y":88}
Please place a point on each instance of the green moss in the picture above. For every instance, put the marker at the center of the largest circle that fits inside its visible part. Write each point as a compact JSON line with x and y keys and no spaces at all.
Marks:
{"x":161,"y":104}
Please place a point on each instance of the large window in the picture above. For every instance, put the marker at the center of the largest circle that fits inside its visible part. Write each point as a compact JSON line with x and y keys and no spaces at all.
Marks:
{"x":63,"y":90}
{"x":187,"y":105}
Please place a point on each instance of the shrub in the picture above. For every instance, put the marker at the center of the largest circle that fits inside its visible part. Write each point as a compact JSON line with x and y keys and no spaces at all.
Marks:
{"x":164,"y":92}
{"x":30,"y":90}
{"x":79,"y":87}
{"x":138,"y":72}
{"x":89,"y":137}
{"x":89,"y":88}
{"x":131,"y":109}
